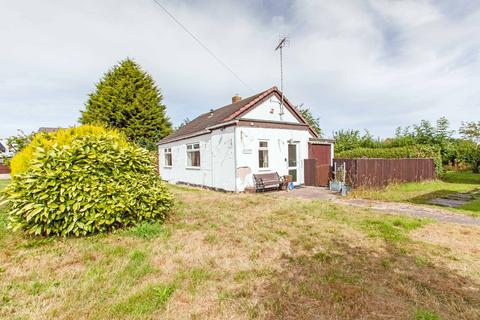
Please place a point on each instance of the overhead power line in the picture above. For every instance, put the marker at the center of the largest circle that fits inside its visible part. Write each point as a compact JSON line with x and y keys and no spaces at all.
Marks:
{"x":201,"y":44}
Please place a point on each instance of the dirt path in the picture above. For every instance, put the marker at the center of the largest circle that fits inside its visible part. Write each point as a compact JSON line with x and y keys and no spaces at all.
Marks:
{"x":411,"y":209}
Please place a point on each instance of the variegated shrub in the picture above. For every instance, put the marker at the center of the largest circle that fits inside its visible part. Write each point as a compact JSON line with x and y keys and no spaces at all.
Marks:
{"x":96,"y":183}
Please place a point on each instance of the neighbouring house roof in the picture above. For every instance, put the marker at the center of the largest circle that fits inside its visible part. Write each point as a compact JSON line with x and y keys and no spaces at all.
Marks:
{"x":48,"y":129}
{"x":2,"y":148}
{"x":226,"y":114}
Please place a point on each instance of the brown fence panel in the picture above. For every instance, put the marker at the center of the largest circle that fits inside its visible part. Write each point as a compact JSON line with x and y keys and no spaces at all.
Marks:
{"x":4,"y":169}
{"x":380,"y":172}
{"x":309,"y":169}
{"x":323,"y":175}
{"x":351,"y":170}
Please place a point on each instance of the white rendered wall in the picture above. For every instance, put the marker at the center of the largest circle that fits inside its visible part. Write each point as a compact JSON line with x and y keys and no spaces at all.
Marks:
{"x":223,"y":159}
{"x":278,"y":139}
{"x":269,"y":110}
{"x":216,"y":151}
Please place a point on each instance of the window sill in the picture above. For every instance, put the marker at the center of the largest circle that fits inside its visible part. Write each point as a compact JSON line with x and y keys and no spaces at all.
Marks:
{"x":264,"y":169}
{"x":193,"y":168}
{"x":167,"y":167}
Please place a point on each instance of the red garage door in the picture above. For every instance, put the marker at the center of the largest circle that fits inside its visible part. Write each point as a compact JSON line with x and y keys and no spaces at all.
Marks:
{"x":321,"y":152}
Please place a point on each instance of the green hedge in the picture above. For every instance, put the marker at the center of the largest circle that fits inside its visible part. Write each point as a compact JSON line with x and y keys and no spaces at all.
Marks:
{"x":415,"y":151}
{"x":95,"y":183}
{"x":22,"y":160}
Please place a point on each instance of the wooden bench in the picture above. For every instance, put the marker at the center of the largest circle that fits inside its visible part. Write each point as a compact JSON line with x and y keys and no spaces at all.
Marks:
{"x":265,"y":181}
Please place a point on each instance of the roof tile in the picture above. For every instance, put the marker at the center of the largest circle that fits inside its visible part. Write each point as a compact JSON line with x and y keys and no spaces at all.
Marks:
{"x":206,"y":120}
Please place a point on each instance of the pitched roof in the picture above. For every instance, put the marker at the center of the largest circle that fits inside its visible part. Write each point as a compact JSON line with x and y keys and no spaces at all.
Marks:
{"x":221,"y":115}
{"x":48,"y":129}
{"x":2,"y":148}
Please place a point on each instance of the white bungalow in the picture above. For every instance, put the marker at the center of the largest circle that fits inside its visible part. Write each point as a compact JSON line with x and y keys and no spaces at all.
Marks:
{"x":223,"y":148}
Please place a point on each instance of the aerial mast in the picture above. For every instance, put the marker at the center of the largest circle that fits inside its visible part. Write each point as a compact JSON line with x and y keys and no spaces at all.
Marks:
{"x":283,"y":42}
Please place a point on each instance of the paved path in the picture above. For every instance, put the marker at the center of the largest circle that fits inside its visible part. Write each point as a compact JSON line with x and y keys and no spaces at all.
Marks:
{"x":309,"y":193}
{"x":456,"y":200}
{"x":399,"y":208}
{"x":411,"y":209}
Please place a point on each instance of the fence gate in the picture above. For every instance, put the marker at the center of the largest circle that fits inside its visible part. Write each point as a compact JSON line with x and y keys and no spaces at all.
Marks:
{"x":316,"y":175}
{"x":318,"y":166}
{"x":310,"y":171}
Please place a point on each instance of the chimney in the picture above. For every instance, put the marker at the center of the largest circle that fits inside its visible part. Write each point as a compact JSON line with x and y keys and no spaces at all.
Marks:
{"x":236,"y":98}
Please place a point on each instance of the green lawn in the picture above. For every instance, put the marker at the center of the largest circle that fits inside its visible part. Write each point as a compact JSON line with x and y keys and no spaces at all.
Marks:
{"x":247,"y":256}
{"x":421,"y":192}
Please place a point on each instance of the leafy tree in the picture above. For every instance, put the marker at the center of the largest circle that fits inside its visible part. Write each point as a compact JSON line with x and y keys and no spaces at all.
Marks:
{"x":424,"y":132}
{"x":128,"y":99}
{"x":18,"y":142}
{"x":443,"y":138}
{"x":184,"y":123}
{"x":312,"y":120}
{"x":403,"y":137}
{"x":452,"y":150}
{"x":368,"y":141}
{"x":442,"y":130}
{"x":469,"y":151}
{"x":351,"y":139}
{"x":346,"y":139}
{"x":470,"y":130}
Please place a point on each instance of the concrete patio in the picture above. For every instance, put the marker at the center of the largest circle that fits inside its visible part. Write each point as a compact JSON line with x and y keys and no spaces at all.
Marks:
{"x":309,"y":193}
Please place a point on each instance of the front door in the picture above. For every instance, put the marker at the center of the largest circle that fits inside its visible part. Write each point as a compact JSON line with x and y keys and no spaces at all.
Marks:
{"x":292,"y":162}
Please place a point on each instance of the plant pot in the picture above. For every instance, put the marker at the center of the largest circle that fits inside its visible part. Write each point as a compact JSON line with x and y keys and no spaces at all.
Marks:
{"x":335,"y":185}
{"x":345,"y":190}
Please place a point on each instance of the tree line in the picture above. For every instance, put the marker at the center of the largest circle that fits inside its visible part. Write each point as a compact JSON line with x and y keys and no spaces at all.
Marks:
{"x":126,"y":98}
{"x":454,"y":151}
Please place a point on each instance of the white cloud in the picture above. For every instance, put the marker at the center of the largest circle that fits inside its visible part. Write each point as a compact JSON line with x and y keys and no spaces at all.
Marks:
{"x":358,"y":64}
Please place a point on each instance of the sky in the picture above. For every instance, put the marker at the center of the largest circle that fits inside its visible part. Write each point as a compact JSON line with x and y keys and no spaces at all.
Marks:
{"x":359,"y":64}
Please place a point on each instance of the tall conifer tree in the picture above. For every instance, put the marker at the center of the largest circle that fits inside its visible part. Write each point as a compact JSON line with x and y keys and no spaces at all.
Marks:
{"x":127,"y":98}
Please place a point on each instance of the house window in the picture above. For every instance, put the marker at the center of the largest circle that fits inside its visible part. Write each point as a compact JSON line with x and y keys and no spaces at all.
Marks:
{"x":263,"y":154}
{"x":193,"y":155}
{"x":168,"y":157}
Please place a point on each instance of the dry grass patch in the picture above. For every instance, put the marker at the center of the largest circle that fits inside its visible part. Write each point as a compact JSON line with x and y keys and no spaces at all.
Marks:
{"x":346,"y":281}
{"x":459,"y":244}
{"x":241,"y":256}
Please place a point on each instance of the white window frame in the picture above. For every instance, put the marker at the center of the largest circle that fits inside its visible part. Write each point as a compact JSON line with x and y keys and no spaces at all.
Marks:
{"x":192,"y":148}
{"x":260,"y":148}
{"x":167,"y":151}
